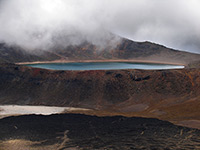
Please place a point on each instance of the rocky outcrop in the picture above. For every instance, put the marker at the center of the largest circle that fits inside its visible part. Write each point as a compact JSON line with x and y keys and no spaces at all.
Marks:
{"x":95,"y":89}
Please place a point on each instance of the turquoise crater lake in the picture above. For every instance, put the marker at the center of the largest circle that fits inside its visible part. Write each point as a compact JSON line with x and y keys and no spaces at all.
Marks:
{"x":104,"y":66}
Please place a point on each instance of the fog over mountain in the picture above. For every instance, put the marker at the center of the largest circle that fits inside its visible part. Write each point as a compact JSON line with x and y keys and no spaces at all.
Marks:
{"x":42,"y":24}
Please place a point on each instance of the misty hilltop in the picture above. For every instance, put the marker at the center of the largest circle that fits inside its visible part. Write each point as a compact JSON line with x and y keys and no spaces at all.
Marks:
{"x":88,"y":30}
{"x":41,"y":24}
{"x":124,"y":49}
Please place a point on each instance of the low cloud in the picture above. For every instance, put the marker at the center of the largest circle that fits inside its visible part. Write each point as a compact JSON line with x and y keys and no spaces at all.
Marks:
{"x":42,"y":24}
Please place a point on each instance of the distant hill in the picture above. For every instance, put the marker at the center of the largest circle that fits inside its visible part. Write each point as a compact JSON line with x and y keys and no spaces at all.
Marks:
{"x":125,"y":49}
{"x":15,"y":54}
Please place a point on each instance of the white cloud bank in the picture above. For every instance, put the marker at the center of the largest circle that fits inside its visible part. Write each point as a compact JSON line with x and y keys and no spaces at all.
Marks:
{"x":43,"y":23}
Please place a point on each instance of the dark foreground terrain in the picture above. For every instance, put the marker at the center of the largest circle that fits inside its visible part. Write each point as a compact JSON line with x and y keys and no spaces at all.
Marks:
{"x":73,"y":131}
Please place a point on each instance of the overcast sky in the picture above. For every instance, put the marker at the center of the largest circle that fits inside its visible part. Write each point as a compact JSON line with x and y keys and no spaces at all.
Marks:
{"x":43,"y":23}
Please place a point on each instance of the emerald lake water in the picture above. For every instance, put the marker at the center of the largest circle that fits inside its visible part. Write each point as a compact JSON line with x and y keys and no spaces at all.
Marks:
{"x":104,"y":66}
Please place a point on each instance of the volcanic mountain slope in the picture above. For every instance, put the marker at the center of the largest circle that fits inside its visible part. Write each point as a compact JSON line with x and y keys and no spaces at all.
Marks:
{"x":78,"y":132}
{"x":164,"y":94}
{"x":125,"y":49}
{"x":12,"y":54}
{"x":129,"y":50}
{"x":194,"y":64}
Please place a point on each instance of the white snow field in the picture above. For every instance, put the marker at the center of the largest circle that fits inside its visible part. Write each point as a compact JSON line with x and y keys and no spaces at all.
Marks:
{"x":9,"y":110}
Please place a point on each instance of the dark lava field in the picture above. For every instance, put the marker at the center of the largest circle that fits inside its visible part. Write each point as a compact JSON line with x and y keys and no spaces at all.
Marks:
{"x":74,"y":131}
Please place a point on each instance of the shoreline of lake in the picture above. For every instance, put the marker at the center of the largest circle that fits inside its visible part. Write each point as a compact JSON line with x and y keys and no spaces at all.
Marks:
{"x":106,"y":60}
{"x":104,"y":66}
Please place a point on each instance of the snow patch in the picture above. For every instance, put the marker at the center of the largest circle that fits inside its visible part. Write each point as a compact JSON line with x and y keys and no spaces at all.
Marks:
{"x":24,"y":110}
